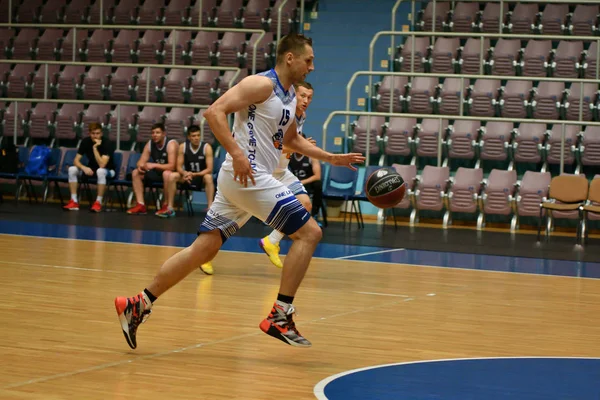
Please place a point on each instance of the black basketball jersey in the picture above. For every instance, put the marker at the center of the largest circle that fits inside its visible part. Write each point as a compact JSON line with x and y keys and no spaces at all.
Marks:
{"x":194,"y":161}
{"x":302,"y":167}
{"x":159,"y":154}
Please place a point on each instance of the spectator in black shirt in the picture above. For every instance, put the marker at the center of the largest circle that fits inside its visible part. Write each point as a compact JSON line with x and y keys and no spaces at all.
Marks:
{"x":100,"y":165}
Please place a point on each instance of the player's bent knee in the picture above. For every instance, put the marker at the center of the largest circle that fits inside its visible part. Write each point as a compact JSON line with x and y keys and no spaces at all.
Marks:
{"x":135,"y":173}
{"x":310,"y":232}
{"x":166,"y":175}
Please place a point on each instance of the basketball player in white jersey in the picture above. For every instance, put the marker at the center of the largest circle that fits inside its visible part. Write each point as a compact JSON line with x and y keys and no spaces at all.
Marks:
{"x":264,"y":107}
{"x":270,"y":243}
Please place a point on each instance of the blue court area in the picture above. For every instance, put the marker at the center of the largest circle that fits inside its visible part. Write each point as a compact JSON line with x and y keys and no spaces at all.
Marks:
{"x":470,"y":379}
{"x":325,"y":250}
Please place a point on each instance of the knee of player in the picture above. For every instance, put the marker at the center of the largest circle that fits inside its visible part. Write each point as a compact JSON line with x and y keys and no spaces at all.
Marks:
{"x":166,"y":174}
{"x":307,"y":205}
{"x":174,"y":177}
{"x":310,"y":231}
{"x":73,"y":169}
{"x":135,"y":173}
{"x":208,"y":179}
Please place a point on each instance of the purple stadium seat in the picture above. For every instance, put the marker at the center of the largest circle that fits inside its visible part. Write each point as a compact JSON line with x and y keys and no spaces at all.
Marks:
{"x":128,"y":119}
{"x":590,"y":146}
{"x":123,"y":45}
{"x":464,"y":191}
{"x":399,"y":136}
{"x":553,"y":18}
{"x":40,"y":120}
{"x":421,"y":94}
{"x":498,"y":193}
{"x":228,"y":12}
{"x":177,"y":122}
{"x":122,"y":83}
{"x":152,"y":12}
{"x":38,"y":80}
{"x":69,"y":80}
{"x":470,"y":58}
{"x":182,"y":40}
{"x":94,"y":83}
{"x":67,"y":120}
{"x":522,"y":18}
{"x":208,"y":7}
{"x":431,"y":189}
{"x":528,"y":143}
{"x":572,"y":103}
{"x":409,"y":175}
{"x":177,"y":84}
{"x":536,"y":57}
{"x":202,"y":47}
{"x":394,"y":84}
{"x":450,"y":95}
{"x":406,"y":54}
{"x":546,"y":100}
{"x":553,"y":144}
{"x":19,"y":79}
{"x":96,"y":48}
{"x":359,"y":136}
{"x":483,"y":98}
{"x":490,"y":18}
{"x":462,"y":140}
{"x":495,"y":141}
{"x":255,"y":13}
{"x":567,"y":58}
{"x":48,"y":43}
{"x":428,"y":134}
{"x":504,"y":57}
{"x":150,"y":48}
{"x":227,"y":77}
{"x":584,"y":18}
{"x":23,"y":43}
{"x":444,"y":55}
{"x":441,"y":15}
{"x":515,"y":97}
{"x":463,"y":17}
{"x":143,"y":84}
{"x":203,"y":86}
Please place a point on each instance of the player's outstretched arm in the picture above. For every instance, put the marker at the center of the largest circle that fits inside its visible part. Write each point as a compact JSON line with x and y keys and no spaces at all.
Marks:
{"x":251,"y":90}
{"x":300,"y":145}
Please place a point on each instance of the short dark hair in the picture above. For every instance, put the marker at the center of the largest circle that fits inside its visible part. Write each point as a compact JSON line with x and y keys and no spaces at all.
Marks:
{"x":193,"y":128}
{"x":303,"y":84}
{"x":94,"y":126}
{"x":294,"y":42}
{"x":158,"y":125}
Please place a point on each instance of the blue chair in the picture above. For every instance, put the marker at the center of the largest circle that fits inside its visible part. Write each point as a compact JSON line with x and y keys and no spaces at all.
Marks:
{"x":124,"y":181}
{"x":341,"y":185}
{"x":63,"y":172}
{"x":53,"y":165}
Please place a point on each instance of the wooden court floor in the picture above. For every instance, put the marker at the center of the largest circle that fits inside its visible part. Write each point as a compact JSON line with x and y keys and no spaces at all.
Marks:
{"x":60,"y":338}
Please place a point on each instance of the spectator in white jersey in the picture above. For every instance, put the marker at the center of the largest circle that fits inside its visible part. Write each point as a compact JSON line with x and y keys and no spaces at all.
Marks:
{"x":263,"y":105}
{"x":163,"y":153}
{"x":194,"y":169}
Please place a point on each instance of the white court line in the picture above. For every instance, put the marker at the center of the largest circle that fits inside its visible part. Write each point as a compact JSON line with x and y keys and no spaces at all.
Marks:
{"x":319,"y":389}
{"x":181,"y":349}
{"x":111,"y":271}
{"x":383,"y":294}
{"x":367,"y":254}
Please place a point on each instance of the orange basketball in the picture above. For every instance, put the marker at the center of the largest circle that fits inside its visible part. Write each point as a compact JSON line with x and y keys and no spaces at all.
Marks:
{"x":385,"y":188}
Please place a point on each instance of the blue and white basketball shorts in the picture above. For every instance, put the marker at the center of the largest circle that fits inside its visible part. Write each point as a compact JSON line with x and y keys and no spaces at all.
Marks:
{"x":269,"y":200}
{"x":291,"y":182}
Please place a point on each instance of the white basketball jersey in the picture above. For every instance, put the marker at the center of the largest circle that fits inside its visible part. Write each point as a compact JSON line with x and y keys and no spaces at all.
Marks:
{"x":284,"y":159}
{"x":259,"y":129}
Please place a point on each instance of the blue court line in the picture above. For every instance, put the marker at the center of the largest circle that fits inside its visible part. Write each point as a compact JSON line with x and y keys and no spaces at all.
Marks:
{"x":342,"y":252}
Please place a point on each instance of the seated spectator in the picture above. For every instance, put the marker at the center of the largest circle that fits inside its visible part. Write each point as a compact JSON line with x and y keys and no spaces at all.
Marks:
{"x":164,"y":155}
{"x":194,"y":170}
{"x":99,"y":154}
{"x":308,"y":171}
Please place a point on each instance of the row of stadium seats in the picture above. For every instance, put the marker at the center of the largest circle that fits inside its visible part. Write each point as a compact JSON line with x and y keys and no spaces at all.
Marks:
{"x":124,"y":84}
{"x":492,"y":17}
{"x":250,"y":14}
{"x":228,"y":49}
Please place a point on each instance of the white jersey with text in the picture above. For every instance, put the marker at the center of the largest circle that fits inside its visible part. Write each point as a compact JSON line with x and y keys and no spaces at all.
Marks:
{"x":259,"y":129}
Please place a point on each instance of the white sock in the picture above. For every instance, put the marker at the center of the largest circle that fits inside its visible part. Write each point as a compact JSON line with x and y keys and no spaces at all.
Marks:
{"x":275,"y":237}
{"x":99,"y":199}
{"x":74,"y":198}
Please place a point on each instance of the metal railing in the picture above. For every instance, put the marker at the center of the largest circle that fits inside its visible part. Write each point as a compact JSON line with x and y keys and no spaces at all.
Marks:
{"x":462,"y":88}
{"x":94,"y":64}
{"x":173,"y":29}
{"x":17,"y":100}
{"x":441,"y":117}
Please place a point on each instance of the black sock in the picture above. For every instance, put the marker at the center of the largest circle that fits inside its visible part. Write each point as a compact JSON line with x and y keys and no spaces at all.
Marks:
{"x":150,"y":296}
{"x":285,"y":299}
